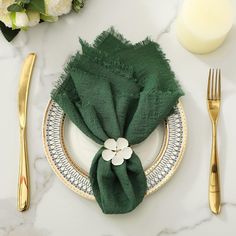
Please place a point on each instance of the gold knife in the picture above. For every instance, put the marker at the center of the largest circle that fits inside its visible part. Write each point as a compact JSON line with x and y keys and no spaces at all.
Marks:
{"x":23,"y":200}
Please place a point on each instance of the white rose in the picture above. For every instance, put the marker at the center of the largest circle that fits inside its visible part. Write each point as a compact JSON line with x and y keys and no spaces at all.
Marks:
{"x":21,"y":20}
{"x":4,"y":4}
{"x":4,"y":14}
{"x":58,"y":7}
{"x":34,"y":18}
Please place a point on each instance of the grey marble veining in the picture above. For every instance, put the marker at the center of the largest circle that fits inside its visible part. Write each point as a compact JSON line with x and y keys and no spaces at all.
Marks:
{"x":181,"y":206}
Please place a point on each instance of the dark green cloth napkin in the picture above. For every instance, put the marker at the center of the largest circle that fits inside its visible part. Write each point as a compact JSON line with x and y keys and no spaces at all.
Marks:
{"x":115,"y":89}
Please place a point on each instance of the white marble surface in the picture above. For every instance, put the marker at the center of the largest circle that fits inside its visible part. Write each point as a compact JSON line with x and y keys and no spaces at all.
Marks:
{"x":181,"y":206}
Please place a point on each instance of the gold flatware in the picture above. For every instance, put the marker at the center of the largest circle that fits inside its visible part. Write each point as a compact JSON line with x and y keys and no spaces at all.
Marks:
{"x":23,"y":200}
{"x":213,"y":104}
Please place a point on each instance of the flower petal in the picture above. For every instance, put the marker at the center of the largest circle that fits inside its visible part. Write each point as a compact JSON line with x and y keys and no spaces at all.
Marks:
{"x":122,"y":143}
{"x":110,"y":144}
{"x":126,"y":153}
{"x":21,"y":20}
{"x":107,"y":155}
{"x":34,"y":18}
{"x":117,"y":160}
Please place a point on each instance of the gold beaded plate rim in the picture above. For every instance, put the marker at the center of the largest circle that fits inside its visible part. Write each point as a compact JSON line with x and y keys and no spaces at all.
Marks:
{"x":154,"y":181}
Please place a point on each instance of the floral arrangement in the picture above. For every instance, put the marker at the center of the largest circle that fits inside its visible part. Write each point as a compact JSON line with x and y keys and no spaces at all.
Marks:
{"x":16,"y":15}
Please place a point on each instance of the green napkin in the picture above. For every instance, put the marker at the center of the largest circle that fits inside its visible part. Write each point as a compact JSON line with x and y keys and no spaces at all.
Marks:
{"x":114,"y":89}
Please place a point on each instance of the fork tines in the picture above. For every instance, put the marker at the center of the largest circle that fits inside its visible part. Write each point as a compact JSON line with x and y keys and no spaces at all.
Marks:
{"x":214,"y":84}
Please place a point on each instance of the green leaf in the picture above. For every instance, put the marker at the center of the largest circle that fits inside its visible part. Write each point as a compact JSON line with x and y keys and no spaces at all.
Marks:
{"x":77,"y":5}
{"x":48,"y":18}
{"x":13,"y":20}
{"x":36,"y":5}
{"x":15,"y":8}
{"x":24,"y":1}
{"x":8,"y":33}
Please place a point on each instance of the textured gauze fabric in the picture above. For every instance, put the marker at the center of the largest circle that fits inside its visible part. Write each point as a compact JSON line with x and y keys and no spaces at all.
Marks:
{"x":114,"y":89}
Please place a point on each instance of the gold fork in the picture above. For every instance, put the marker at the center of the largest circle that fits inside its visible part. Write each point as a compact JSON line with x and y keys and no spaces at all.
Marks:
{"x":213,"y":103}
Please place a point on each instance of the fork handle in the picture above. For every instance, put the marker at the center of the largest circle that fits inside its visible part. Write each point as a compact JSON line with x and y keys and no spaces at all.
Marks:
{"x":214,"y":180}
{"x":23,"y":200}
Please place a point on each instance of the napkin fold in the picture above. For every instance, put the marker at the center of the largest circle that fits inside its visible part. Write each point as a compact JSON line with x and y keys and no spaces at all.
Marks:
{"x":114,"y":89}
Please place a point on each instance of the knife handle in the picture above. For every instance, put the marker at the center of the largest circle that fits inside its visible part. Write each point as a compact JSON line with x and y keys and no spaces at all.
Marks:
{"x":23,"y":179}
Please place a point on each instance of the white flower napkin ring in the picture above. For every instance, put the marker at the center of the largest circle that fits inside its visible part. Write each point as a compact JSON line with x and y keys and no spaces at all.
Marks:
{"x":117,"y":151}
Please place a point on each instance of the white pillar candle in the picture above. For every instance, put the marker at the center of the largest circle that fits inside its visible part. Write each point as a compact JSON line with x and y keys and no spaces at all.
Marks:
{"x":202,"y":25}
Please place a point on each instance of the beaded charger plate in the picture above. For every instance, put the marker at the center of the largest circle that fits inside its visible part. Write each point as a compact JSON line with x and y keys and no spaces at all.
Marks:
{"x":70,"y":152}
